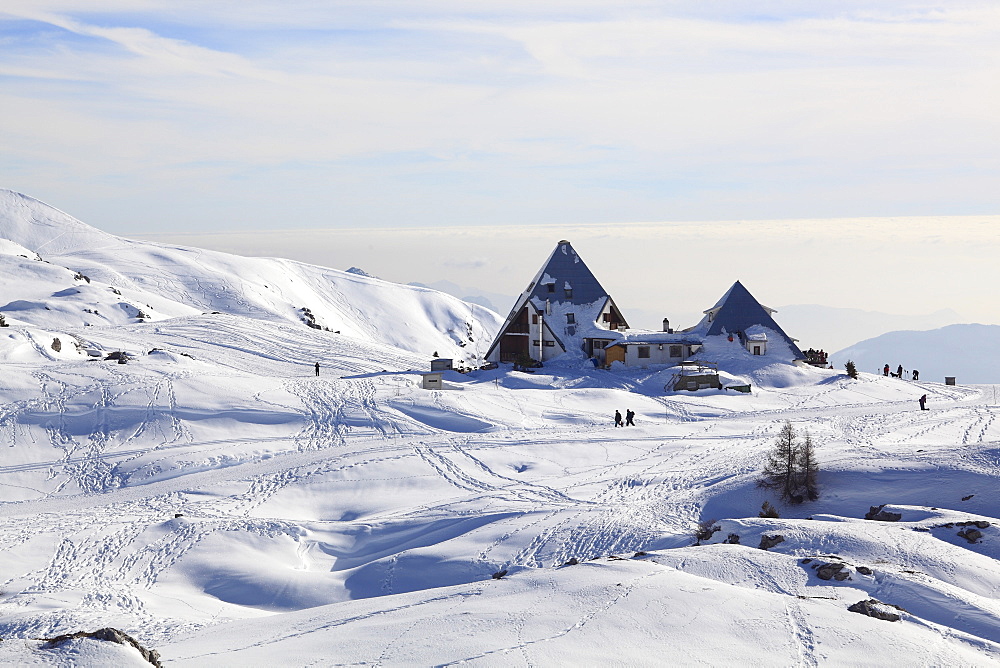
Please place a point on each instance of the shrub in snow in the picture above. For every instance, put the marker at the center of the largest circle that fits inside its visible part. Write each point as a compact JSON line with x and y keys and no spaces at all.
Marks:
{"x":524,"y":361}
{"x":705,"y":530}
{"x":56,"y":345}
{"x":499,"y":574}
{"x":767,"y":510}
{"x":852,"y":370}
{"x":732,"y":539}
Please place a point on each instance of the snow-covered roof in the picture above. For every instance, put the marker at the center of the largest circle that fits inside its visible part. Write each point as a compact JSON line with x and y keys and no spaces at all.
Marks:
{"x":739,"y":311}
{"x":566,"y":272}
{"x":655,"y":338}
{"x":574,"y":290}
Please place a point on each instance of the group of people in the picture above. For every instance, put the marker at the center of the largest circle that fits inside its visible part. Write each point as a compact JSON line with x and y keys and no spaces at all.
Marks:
{"x":816,"y":357}
{"x":899,"y":372}
{"x":629,"y":418}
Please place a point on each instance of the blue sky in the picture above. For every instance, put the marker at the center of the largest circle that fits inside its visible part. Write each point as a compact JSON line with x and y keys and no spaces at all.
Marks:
{"x":155,"y":116}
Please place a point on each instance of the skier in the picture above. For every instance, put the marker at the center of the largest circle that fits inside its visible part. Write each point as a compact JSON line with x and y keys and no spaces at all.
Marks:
{"x":885,"y":370}
{"x":618,"y":419}
{"x":923,"y":400}
{"x":916,"y":374}
{"x":317,"y":368}
{"x":629,"y":416}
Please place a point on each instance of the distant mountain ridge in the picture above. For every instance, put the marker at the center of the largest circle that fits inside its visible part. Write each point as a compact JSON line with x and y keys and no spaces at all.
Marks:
{"x":832,"y":328}
{"x":967,"y":352}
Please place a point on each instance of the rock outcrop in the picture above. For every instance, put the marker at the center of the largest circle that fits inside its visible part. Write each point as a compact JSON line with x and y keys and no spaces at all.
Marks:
{"x":879,"y":515}
{"x":767,"y":542}
{"x":874,"y":608}
{"x":110,"y":635}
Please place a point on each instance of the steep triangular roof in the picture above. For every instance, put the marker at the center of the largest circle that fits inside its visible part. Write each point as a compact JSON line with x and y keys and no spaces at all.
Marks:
{"x":565,"y":268}
{"x":738,"y":310}
{"x":574,"y":287}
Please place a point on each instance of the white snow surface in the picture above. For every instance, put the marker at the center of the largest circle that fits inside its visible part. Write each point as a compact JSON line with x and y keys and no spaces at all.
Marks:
{"x":86,"y":277}
{"x":219,"y":502}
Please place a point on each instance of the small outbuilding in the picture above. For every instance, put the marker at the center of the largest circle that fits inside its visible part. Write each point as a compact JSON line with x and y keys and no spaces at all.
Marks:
{"x":432,"y":380}
{"x":442,"y":364}
{"x":694,"y":375}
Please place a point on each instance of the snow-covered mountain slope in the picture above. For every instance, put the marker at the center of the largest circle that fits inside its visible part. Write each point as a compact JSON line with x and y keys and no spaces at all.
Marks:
{"x":58,"y":272}
{"x":966,"y":352}
{"x":215,"y":499}
{"x":357,"y":516}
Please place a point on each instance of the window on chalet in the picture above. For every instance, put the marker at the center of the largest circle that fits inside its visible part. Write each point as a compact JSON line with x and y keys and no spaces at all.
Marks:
{"x":551,"y":287}
{"x":569,"y":293}
{"x":534,"y":318}
{"x":643,"y":352}
{"x":570,"y":318}
{"x":675,"y":351}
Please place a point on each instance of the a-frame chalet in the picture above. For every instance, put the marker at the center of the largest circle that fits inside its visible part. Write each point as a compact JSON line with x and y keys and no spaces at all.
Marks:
{"x":564,"y":309}
{"x":739,"y":315}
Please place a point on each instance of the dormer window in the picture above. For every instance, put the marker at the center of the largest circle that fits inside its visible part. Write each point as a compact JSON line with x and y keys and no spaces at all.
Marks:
{"x":570,"y":318}
{"x":569,"y":293}
{"x":551,"y":287}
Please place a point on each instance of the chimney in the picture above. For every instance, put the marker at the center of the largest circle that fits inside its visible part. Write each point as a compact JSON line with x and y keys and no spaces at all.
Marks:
{"x":666,"y":326}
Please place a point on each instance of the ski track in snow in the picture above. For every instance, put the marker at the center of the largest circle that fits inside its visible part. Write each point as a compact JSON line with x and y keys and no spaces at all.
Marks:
{"x":143,"y":457}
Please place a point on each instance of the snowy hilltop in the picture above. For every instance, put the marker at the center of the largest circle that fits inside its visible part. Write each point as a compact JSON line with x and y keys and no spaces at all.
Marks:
{"x":65,"y":273}
{"x":222,"y":503}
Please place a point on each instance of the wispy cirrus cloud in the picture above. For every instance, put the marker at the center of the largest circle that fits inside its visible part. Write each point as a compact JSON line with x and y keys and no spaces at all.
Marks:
{"x":387,"y":113}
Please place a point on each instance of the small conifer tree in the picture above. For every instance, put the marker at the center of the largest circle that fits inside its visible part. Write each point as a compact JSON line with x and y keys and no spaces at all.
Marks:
{"x":807,"y":468}
{"x":852,"y":370}
{"x":781,"y":472}
{"x":56,"y":345}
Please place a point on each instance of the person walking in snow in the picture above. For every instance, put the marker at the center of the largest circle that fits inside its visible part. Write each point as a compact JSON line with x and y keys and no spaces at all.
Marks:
{"x":923,"y":400}
{"x":317,"y":368}
{"x":899,"y":371}
{"x":916,"y":374}
{"x":618,"y":418}
{"x":885,"y":370}
{"x":629,"y":416}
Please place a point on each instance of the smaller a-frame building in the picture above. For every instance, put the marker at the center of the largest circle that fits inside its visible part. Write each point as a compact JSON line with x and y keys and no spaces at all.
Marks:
{"x":564,"y":309}
{"x":739,"y":315}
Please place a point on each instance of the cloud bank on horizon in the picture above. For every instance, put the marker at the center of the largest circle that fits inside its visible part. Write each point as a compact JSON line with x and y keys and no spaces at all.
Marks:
{"x":181,"y":116}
